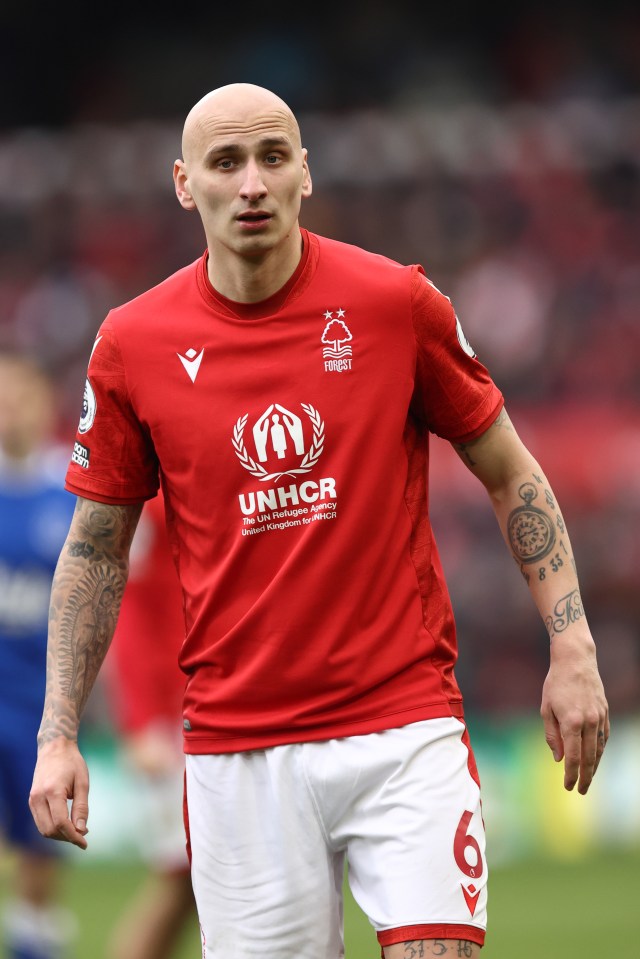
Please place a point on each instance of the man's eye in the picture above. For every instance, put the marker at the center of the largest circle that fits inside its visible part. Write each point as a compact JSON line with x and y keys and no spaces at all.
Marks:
{"x":272,"y":158}
{"x":225,"y":164}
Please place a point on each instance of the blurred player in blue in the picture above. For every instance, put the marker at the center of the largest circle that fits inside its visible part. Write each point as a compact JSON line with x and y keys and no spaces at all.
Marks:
{"x":35,"y":512}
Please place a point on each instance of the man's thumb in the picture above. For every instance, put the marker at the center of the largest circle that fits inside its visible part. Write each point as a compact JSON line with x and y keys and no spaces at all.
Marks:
{"x":79,"y":816}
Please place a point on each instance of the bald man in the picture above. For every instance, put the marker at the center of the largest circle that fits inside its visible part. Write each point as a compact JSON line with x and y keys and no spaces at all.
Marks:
{"x":253,"y":235}
{"x":283,"y":388}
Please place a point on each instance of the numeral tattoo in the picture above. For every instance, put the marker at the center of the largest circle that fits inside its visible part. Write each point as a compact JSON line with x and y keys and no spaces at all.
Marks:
{"x":414,"y":949}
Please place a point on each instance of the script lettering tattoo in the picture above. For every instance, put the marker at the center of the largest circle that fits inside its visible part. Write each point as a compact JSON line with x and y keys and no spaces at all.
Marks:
{"x":560,"y":522}
{"x":566,"y":611}
{"x":465,"y":948}
{"x":531,"y":532}
{"x":85,"y":598}
{"x":414,"y":949}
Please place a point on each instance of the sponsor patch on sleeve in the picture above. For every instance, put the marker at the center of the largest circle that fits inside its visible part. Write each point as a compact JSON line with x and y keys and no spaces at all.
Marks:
{"x":80,"y":455}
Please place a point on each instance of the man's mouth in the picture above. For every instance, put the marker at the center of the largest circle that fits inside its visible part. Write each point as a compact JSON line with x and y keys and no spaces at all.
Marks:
{"x":254,"y":217}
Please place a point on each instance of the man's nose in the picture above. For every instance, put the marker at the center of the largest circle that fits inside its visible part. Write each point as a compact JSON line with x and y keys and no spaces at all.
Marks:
{"x":252,"y":186}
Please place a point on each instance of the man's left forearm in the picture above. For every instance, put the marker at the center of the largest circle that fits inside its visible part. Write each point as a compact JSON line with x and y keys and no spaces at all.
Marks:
{"x":536,"y":534}
{"x":574,"y":707}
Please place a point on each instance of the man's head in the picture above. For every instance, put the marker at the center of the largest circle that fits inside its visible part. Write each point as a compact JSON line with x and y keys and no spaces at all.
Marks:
{"x":244,"y":169}
{"x":26,"y":405}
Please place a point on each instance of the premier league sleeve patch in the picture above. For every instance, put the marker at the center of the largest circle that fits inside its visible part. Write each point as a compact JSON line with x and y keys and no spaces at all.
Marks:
{"x":89,"y":407}
{"x":463,"y":341}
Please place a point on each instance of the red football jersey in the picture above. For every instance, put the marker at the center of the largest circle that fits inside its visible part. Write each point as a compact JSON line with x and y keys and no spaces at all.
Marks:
{"x":291,"y":439}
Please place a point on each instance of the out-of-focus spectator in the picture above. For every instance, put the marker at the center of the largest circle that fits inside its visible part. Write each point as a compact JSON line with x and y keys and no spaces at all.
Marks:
{"x":35,"y":512}
{"x":144,"y":685}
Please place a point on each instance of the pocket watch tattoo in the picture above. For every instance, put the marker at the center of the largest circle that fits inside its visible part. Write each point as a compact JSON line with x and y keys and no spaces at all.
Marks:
{"x":532,"y":532}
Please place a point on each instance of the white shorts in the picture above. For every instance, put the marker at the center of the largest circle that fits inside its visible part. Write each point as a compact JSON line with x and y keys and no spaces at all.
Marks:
{"x":270,"y":830}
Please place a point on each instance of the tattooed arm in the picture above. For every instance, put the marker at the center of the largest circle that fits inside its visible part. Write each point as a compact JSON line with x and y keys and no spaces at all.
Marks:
{"x":574,"y":707}
{"x":86,"y":594}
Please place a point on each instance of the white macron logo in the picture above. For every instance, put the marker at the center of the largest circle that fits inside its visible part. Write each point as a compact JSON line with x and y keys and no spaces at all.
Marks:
{"x":191,"y":362}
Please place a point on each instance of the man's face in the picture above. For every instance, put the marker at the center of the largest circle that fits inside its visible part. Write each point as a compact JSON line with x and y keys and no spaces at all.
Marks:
{"x":246,"y":177}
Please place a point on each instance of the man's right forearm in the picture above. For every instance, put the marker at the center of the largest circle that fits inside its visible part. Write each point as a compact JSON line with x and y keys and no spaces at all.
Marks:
{"x":85,"y":600}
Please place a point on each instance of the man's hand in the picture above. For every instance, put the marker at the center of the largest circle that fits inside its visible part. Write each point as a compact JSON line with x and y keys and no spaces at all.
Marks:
{"x":575,"y":712}
{"x":60,"y":775}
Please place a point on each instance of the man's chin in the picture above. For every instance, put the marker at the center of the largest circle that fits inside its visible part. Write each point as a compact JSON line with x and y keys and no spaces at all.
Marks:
{"x":256,"y":245}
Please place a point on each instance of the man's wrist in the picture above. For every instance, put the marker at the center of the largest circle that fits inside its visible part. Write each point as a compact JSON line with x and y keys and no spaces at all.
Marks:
{"x":55,"y":738}
{"x":573,"y":643}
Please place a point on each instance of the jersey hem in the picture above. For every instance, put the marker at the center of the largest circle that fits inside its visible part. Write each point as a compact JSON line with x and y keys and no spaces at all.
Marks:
{"x":488,"y":421}
{"x":108,"y":498}
{"x":432,"y":930}
{"x":196,"y":745}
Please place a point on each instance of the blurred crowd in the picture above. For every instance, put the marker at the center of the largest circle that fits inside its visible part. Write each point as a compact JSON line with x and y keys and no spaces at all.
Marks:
{"x":528,"y":217}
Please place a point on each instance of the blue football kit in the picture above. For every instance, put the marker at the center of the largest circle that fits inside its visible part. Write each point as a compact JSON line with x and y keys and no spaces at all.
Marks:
{"x":35,"y":512}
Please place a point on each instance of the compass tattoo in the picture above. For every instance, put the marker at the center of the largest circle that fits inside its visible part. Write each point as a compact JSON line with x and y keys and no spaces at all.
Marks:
{"x":532,"y":533}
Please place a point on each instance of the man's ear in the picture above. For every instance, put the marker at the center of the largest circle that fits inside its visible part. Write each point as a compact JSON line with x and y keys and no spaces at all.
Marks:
{"x":306,"y":178}
{"x":181,"y":183}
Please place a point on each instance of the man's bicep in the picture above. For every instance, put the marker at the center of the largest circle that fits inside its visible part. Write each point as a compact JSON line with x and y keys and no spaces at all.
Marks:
{"x":497,"y":455}
{"x":102,"y":528}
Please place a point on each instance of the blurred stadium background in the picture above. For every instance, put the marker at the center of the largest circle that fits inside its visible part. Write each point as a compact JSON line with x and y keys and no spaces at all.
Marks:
{"x":501,"y":149}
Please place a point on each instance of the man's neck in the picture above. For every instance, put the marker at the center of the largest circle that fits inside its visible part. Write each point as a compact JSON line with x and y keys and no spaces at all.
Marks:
{"x":253,"y":279}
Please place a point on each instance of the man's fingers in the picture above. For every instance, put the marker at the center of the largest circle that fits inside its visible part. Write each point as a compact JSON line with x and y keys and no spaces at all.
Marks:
{"x":80,"y":804}
{"x":41,"y":813}
{"x":584,"y":743}
{"x":51,"y":815}
{"x":573,"y":729}
{"x":67,"y":832}
{"x":589,"y":759}
{"x":572,"y":756}
{"x":79,"y":816}
{"x":601,"y":742}
{"x":553,"y":736}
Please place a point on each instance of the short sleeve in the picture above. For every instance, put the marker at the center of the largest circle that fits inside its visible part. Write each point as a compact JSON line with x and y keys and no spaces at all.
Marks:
{"x":113,"y":459}
{"x":454,"y":393}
